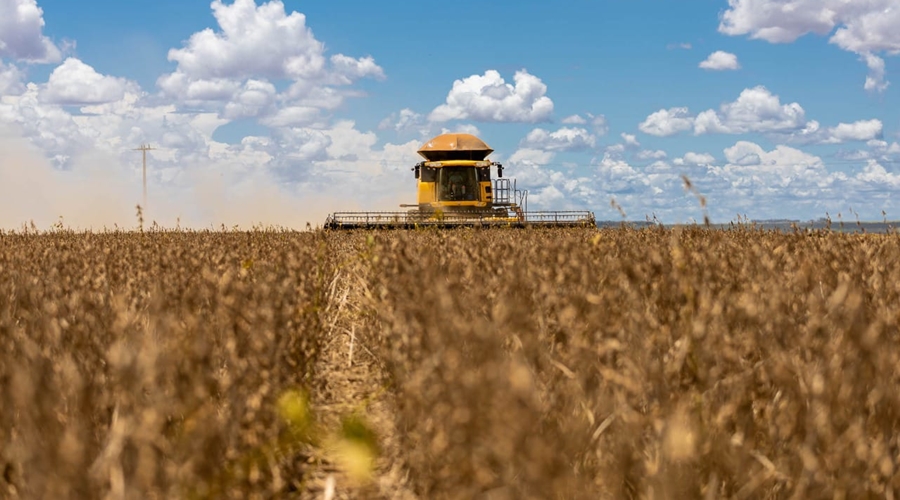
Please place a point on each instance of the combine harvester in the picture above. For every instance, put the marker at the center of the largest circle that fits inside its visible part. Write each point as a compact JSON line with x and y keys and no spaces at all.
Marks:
{"x":455,"y":189}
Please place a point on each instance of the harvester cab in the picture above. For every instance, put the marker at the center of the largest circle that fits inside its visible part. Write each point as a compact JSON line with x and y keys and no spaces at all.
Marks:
{"x":455,"y":188}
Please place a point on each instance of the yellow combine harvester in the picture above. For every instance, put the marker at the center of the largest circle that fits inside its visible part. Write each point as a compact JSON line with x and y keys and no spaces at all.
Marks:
{"x":455,"y":189}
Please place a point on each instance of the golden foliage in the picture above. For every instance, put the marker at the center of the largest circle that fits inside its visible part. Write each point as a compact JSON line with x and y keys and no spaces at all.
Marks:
{"x":656,"y":363}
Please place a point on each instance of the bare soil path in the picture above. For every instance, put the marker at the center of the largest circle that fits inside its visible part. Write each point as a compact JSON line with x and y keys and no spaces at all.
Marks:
{"x":349,"y":380}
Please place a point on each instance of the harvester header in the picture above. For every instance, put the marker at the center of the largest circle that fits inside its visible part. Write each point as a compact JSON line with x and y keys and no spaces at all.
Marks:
{"x":455,"y":188}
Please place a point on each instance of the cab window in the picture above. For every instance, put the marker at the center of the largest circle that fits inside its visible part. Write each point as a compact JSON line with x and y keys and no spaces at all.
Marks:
{"x":458,"y":184}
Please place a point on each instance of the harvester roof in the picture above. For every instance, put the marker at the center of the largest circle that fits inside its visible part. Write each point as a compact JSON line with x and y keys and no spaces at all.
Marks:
{"x":455,"y":147}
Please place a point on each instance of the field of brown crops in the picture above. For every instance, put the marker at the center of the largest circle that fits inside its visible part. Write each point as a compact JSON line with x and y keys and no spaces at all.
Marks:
{"x":620,"y":363}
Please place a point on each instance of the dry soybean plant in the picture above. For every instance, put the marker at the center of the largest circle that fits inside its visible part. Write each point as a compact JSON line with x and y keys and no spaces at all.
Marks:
{"x":619,"y":363}
{"x":154,"y":364}
{"x":647,"y":363}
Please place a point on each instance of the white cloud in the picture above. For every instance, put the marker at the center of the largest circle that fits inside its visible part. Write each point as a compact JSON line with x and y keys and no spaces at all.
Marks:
{"x":181,"y":86}
{"x":564,"y":139}
{"x":618,"y":177}
{"x":347,"y":69}
{"x":631,"y":144}
{"x":691,"y":158}
{"x":489,"y":98}
{"x":405,"y":119}
{"x":21,"y":33}
{"x":864,"y":26}
{"x":260,"y":41}
{"x":462,"y":128}
{"x":547,"y":187}
{"x":254,"y":99}
{"x":531,"y":156}
{"x":630,"y":140}
{"x":877,"y":148}
{"x":648,"y":154}
{"x":11,"y":79}
{"x":667,"y":122}
{"x":599,"y":123}
{"x":875,"y":82}
{"x":720,"y":60}
{"x":76,"y":83}
{"x":683,"y":46}
{"x":783,"y":160}
{"x":574,"y":120}
{"x":875,"y":173}
{"x":755,"y":110}
{"x":863,"y":130}
{"x":265,"y":43}
{"x":292,"y":116}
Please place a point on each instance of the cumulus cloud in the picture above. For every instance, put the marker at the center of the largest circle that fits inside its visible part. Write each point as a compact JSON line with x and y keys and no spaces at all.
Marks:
{"x":462,"y":128}
{"x":630,"y":140}
{"x":649,"y":154}
{"x":11,"y":79}
{"x":778,"y":182}
{"x":564,"y":139}
{"x":877,"y":148}
{"x":76,"y":83}
{"x":405,"y":119}
{"x":863,"y":26}
{"x":720,"y":60}
{"x":489,"y":98}
{"x":531,"y":156}
{"x":292,"y":116}
{"x":783,"y":160}
{"x":666,"y":122}
{"x":863,"y":130}
{"x":875,"y":173}
{"x":261,"y":43}
{"x":691,"y":158}
{"x":599,"y":123}
{"x":254,"y":99}
{"x":755,"y":110}
{"x":875,"y":82}
{"x":21,"y":33}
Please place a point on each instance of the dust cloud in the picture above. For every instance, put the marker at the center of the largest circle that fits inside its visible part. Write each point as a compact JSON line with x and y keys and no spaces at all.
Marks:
{"x":97,"y":192}
{"x":33,"y":191}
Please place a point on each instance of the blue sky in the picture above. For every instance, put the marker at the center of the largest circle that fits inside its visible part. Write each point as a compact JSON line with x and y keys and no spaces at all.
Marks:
{"x":773,"y":108}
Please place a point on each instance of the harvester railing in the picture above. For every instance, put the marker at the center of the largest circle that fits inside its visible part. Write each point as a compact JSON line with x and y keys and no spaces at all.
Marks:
{"x":364,"y":220}
{"x":507,"y":194}
{"x":501,"y":191}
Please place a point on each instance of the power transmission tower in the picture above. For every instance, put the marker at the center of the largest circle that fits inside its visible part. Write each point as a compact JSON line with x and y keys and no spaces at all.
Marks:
{"x":143,"y":149}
